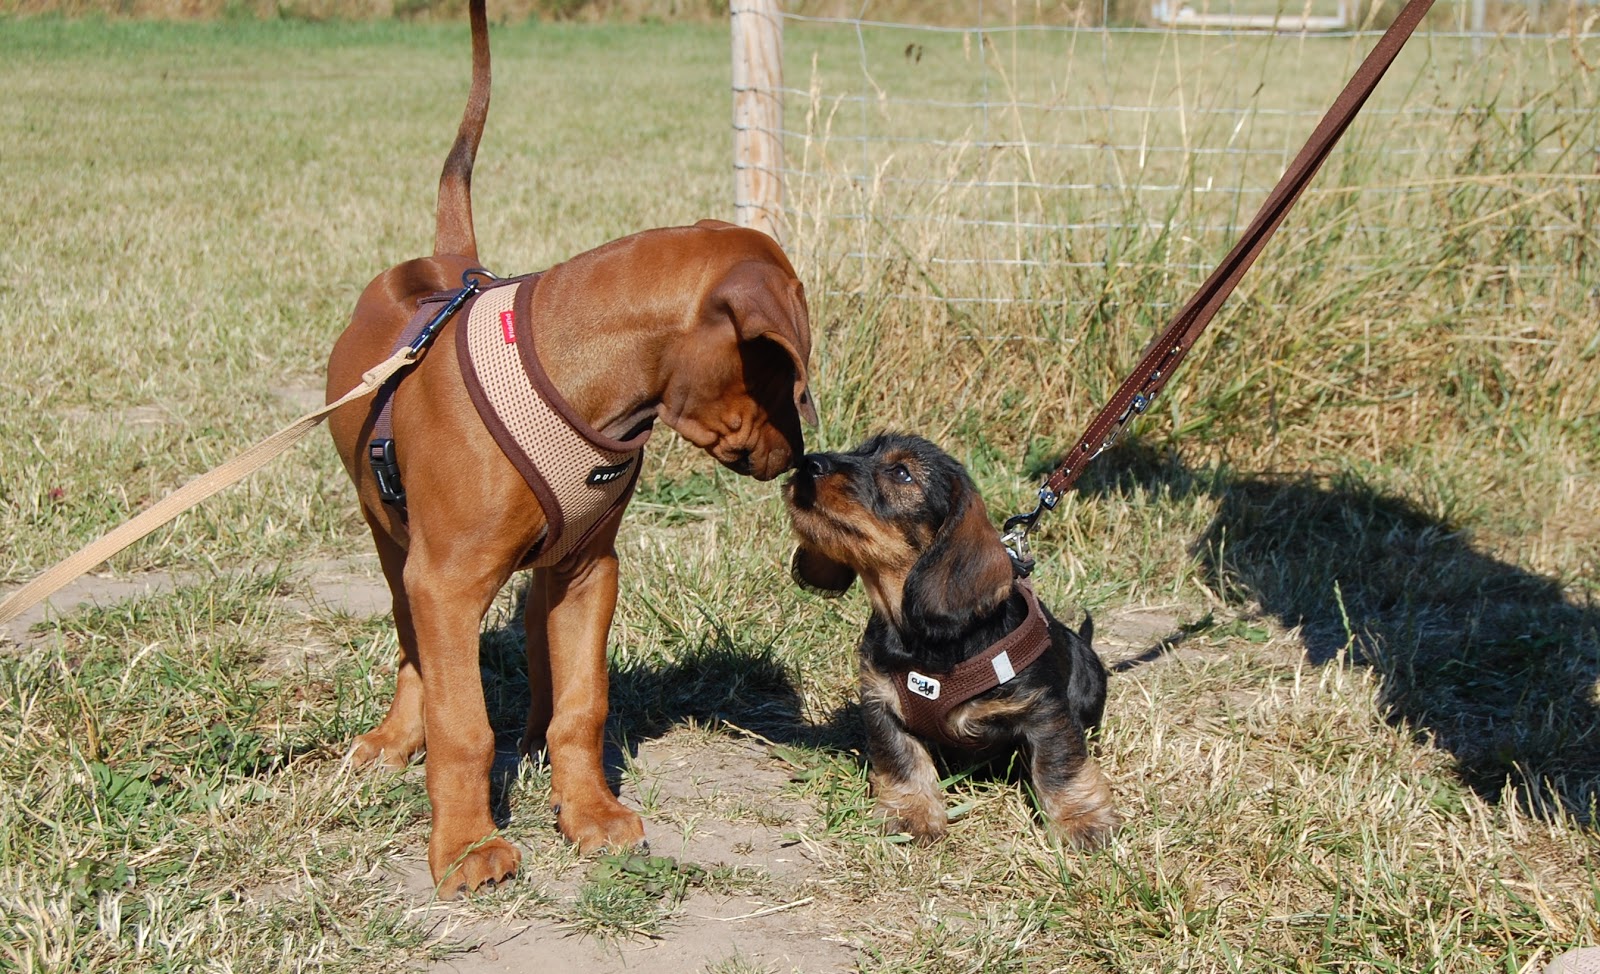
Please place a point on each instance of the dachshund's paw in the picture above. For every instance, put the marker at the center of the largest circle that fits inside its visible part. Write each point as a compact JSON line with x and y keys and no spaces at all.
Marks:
{"x":924,"y":821}
{"x":599,"y":825}
{"x":465,"y":866}
{"x":1082,"y":813}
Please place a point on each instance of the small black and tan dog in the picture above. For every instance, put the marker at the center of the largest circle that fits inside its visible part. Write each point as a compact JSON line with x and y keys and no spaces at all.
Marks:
{"x":958,"y":652}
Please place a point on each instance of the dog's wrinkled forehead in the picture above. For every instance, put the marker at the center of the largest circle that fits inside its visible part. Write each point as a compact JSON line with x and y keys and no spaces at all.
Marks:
{"x":904,"y":475}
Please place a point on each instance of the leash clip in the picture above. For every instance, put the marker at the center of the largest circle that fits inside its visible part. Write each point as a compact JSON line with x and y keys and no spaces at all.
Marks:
{"x":472,"y":281}
{"x":1017,"y":527}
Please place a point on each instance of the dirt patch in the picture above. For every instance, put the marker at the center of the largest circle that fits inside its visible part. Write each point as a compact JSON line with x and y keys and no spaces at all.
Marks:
{"x":712,"y":801}
{"x":704,"y":937}
{"x":353,"y":586}
{"x":717,"y":801}
{"x":86,"y":590}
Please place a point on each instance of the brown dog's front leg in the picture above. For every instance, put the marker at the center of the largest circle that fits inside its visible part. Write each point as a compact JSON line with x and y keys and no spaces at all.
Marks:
{"x":581,"y":601}
{"x":448,"y":600}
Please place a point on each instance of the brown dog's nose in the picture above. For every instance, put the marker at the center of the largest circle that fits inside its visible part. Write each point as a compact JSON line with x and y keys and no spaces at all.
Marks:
{"x":815,"y":464}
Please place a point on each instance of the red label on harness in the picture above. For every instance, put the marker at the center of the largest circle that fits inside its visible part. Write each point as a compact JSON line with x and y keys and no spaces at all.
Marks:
{"x":508,"y":327}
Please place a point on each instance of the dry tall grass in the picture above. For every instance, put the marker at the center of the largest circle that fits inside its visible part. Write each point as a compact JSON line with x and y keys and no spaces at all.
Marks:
{"x":1504,"y":15}
{"x":1396,"y":415}
{"x":1346,"y":573}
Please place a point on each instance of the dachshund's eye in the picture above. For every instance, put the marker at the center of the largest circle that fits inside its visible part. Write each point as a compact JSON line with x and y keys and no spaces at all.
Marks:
{"x":899,"y":474}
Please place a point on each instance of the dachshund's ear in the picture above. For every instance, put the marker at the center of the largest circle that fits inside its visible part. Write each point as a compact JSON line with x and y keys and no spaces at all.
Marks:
{"x":963,"y":575}
{"x":816,"y":572}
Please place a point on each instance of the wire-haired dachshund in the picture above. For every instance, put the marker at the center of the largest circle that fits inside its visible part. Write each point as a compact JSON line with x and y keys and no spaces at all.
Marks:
{"x":949,"y":617}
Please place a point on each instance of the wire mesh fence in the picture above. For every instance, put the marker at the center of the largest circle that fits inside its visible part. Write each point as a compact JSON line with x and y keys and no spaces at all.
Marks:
{"x":1005,"y":162}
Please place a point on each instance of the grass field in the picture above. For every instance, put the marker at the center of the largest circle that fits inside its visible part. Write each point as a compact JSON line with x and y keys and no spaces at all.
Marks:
{"x":1347,"y":573}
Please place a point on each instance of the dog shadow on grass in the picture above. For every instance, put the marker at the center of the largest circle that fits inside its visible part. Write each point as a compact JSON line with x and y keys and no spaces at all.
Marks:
{"x":714,"y":676}
{"x":1493,"y":663}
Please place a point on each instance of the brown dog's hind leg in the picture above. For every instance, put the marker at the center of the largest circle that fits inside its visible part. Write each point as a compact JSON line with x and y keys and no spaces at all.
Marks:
{"x":449,"y":595}
{"x":535,"y":624}
{"x":581,"y":602}
{"x":1075,"y":794}
{"x":400,"y":736}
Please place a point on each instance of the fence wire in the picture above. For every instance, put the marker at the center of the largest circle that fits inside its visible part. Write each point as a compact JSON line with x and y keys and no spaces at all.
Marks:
{"x":1003,"y":162}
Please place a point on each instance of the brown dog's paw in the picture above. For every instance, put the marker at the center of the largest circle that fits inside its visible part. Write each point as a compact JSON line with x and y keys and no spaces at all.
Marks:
{"x":1082,"y":814}
{"x":488,"y":860}
{"x":384,"y":748}
{"x":598,"y":826}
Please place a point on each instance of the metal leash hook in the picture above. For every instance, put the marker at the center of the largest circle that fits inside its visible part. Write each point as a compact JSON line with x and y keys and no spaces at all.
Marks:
{"x":472,"y":281}
{"x":1017,"y":527}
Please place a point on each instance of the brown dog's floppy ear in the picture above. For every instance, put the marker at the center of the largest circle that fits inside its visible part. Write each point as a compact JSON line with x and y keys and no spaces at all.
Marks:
{"x":816,"y":572}
{"x":766,"y":301}
{"x":962,"y":575}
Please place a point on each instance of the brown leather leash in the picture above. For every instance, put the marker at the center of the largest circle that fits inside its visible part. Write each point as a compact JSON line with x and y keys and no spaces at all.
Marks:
{"x":1163,"y":355}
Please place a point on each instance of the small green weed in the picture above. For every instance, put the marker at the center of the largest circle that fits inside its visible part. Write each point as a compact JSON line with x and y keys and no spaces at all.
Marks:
{"x":633,"y":894}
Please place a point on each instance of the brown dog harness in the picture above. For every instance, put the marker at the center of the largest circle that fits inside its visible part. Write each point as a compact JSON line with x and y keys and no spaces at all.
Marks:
{"x":926,"y":699}
{"x":579,"y":475}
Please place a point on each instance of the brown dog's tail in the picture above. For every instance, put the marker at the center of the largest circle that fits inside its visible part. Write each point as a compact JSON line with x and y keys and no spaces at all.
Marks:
{"x":454,"y":233}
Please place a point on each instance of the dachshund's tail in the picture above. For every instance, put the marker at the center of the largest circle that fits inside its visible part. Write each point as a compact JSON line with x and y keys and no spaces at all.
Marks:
{"x":454,"y":233}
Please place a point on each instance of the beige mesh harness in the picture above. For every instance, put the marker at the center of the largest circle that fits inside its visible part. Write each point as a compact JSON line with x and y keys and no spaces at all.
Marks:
{"x":579,"y":475}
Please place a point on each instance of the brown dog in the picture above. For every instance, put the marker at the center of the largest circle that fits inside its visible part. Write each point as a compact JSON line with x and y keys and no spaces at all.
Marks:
{"x":958,"y":653}
{"x":702,"y":327}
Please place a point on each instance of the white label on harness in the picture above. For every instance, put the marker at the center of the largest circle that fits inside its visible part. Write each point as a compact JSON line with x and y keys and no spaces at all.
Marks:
{"x":922,"y":686}
{"x":1002,"y":667}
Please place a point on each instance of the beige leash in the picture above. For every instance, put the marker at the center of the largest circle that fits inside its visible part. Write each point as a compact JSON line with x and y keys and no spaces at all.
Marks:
{"x":57,"y":576}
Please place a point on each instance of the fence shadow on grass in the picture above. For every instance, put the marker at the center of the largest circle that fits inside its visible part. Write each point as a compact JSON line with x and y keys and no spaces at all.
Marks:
{"x":1492,"y":662}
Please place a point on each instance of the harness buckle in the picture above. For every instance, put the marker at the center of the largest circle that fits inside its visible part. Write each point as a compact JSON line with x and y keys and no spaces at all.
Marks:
{"x":380,"y":453}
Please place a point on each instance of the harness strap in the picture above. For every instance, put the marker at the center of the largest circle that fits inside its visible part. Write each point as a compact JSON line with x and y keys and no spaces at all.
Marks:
{"x":383,"y":400}
{"x":431,"y":314}
{"x":578,"y":474}
{"x":927,"y":699}
{"x":380,"y":448}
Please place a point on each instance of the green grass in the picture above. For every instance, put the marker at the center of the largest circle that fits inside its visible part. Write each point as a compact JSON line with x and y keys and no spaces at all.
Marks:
{"x":1348,"y":568}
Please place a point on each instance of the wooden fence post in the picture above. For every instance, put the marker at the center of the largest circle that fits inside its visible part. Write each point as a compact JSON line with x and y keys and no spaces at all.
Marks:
{"x":758,"y":115}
